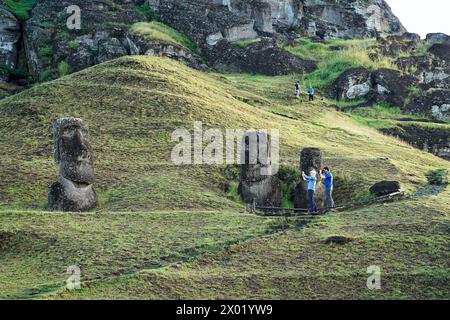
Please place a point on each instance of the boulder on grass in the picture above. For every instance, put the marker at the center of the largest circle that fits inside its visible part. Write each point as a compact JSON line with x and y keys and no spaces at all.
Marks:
{"x":338,"y":240}
{"x":384,"y":188}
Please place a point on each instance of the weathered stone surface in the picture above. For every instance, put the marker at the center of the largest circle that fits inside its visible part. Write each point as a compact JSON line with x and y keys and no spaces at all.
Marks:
{"x":438,"y":38}
{"x":140,"y":46}
{"x":430,"y":71}
{"x":104,"y":36}
{"x":435,"y":104}
{"x":257,"y":182}
{"x":10,"y":34}
{"x":266,"y":192}
{"x":391,"y":86}
{"x":349,"y":19}
{"x":442,"y":51}
{"x":435,"y":140}
{"x":105,"y":30}
{"x":240,"y":32}
{"x":353,"y":84}
{"x":383,"y":188}
{"x":378,"y":86}
{"x":310,"y":158}
{"x":394,"y":45}
{"x":69,"y":196}
{"x":73,"y":153}
{"x":264,"y":57}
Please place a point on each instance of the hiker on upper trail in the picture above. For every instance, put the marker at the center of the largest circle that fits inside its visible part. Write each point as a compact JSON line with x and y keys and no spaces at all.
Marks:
{"x":311,"y":93}
{"x":328,"y":176}
{"x":312,"y":180}
{"x":297,"y":89}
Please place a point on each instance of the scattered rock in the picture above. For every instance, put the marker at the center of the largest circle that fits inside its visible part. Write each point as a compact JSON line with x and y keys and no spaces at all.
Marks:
{"x":438,"y":38}
{"x":441,"y":50}
{"x":353,"y":84}
{"x":394,"y":45}
{"x":435,"y":140}
{"x":391,"y":86}
{"x":430,"y":71}
{"x":435,"y":103}
{"x":383,"y":85}
{"x":264,"y":57}
{"x":338,"y":240}
{"x":384,"y":188}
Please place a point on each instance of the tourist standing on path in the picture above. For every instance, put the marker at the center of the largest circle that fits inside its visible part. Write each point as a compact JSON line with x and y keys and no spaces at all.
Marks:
{"x":328,"y":176}
{"x":297,"y":89}
{"x":311,"y":93}
{"x":312,"y":180}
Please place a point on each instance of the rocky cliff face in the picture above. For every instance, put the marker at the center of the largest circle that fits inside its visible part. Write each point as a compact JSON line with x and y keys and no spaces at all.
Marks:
{"x":9,"y":40}
{"x":331,"y":19}
{"x":327,"y":19}
{"x":51,"y":48}
{"x":429,"y":139}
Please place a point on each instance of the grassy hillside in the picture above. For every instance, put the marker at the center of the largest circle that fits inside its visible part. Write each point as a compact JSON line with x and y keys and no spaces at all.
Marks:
{"x":151,"y":212}
{"x":408,"y":240}
{"x":336,"y":56}
{"x":161,"y":32}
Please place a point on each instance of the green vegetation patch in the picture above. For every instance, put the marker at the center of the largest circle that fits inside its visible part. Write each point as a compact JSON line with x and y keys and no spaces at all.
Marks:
{"x":159,"y":31}
{"x":20,"y":8}
{"x":64,"y":68}
{"x":147,"y":11}
{"x":437,"y":177}
{"x":337,"y":56}
{"x":245,"y":43}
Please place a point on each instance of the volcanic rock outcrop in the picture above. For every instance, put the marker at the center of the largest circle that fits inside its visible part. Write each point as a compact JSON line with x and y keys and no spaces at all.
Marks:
{"x":257,"y":184}
{"x":45,"y":48}
{"x":74,"y":190}
{"x":9,"y":39}
{"x":310,"y":158}
{"x":327,"y":19}
{"x":383,"y":188}
{"x":435,"y":140}
{"x":383,"y":85}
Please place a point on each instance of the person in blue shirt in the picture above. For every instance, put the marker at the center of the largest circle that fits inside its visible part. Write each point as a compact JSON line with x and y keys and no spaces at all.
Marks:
{"x":311,"y":93}
{"x":297,"y":89}
{"x":312,"y":180}
{"x":328,"y":176}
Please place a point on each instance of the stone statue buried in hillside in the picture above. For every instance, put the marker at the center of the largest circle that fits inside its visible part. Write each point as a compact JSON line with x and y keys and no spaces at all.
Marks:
{"x":74,"y":190}
{"x":257,"y":183}
{"x":310,"y":158}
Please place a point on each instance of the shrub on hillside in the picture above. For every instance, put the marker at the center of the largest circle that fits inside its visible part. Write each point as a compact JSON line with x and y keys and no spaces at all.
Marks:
{"x":437,"y":177}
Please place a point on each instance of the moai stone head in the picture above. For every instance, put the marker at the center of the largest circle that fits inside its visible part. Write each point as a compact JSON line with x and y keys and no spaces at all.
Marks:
{"x":255,"y":156}
{"x":73,"y":152}
{"x":311,"y":159}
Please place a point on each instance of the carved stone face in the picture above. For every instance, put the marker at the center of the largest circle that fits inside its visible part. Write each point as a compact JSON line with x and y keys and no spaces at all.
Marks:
{"x":255,"y":157}
{"x":311,"y":159}
{"x":73,"y":151}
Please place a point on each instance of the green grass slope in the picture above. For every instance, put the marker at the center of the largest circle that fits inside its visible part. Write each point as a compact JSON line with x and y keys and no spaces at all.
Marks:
{"x":131,"y":107}
{"x":408,"y":240}
{"x":152,"y":212}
